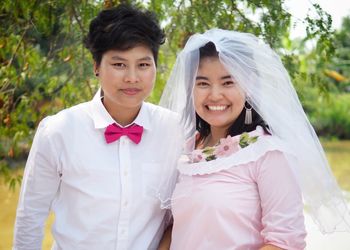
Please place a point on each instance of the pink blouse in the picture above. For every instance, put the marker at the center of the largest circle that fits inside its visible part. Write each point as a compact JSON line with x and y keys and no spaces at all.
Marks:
{"x":241,"y":206}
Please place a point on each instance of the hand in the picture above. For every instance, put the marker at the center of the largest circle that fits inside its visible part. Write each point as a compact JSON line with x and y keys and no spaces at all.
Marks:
{"x":166,"y":239}
{"x":270,"y":247}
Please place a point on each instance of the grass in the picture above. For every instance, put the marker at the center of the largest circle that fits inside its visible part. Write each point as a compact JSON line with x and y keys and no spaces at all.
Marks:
{"x":8,"y":205}
{"x":338,"y":154}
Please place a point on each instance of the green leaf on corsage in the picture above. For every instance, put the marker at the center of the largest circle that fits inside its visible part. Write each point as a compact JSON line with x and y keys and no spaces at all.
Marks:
{"x":208,"y":150}
{"x":210,"y":158}
{"x":245,"y":140}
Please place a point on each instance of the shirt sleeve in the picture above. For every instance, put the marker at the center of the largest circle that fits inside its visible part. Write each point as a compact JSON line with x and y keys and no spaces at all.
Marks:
{"x":281,"y":203}
{"x":39,"y":186}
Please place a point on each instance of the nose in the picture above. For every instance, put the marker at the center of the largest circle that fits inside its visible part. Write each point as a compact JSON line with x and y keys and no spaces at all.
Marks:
{"x":216,"y":93}
{"x":131,"y":75}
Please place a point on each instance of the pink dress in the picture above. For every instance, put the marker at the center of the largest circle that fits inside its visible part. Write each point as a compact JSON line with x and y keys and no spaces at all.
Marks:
{"x":251,"y":200}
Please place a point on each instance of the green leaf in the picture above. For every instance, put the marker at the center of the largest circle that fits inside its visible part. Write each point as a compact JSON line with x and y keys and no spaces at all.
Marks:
{"x":208,"y":150}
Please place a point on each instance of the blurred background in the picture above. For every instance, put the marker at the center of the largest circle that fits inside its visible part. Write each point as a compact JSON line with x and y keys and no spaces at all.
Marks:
{"x":44,"y":68}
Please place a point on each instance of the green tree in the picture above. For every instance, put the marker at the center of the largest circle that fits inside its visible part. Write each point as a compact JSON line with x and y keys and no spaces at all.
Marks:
{"x":45,"y":68}
{"x":331,"y":114}
{"x":341,"y":60}
{"x":323,"y":85}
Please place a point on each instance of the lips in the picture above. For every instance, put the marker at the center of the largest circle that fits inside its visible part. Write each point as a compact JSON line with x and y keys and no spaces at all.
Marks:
{"x":216,"y":107}
{"x":131,"y":91}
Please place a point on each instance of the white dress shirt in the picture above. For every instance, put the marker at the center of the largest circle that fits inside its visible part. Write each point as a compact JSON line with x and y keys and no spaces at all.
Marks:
{"x":98,"y":191}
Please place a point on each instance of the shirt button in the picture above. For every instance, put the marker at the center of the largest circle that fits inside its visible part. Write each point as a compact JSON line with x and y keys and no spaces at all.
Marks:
{"x":125,"y":173}
{"x":123,"y":231}
{"x":122,"y":140}
{"x":125,"y":204}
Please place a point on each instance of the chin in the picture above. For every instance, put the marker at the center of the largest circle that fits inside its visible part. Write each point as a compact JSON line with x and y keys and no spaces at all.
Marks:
{"x":219,"y":124}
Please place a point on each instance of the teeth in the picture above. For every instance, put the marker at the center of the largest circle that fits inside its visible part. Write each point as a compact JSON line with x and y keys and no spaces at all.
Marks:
{"x":217,"y":108}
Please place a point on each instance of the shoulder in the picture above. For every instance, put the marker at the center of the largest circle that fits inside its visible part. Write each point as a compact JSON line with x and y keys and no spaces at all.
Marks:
{"x":269,"y":148}
{"x":159,"y":111}
{"x":274,"y":155}
{"x":276,"y":162}
{"x":65,"y":119}
{"x":166,"y":124}
{"x":275,"y":150}
{"x":162,"y":116}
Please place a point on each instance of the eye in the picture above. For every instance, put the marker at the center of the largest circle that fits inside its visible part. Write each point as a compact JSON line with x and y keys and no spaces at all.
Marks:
{"x":202,"y":84}
{"x":228,"y":83}
{"x":144,"y":65}
{"x":119,"y":65}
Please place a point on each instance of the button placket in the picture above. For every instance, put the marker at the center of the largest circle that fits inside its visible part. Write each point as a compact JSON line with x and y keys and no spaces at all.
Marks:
{"x":124,"y":216}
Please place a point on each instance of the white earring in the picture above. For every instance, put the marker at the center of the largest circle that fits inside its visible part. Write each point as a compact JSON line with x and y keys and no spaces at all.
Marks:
{"x":248,"y":115}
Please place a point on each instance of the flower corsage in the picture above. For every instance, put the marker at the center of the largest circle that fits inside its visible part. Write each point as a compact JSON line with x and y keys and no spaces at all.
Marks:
{"x":225,"y":147}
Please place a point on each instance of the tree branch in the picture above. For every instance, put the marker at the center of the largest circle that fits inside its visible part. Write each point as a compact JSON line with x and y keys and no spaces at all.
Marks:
{"x":78,"y":21}
{"x":235,"y":9}
{"x":200,"y":16}
{"x":17,"y":47}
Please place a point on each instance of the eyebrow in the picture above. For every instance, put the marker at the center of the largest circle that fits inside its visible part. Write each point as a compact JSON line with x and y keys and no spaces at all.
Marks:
{"x":206,"y":78}
{"x":201,"y":78}
{"x":118,"y":58}
{"x":226,"y":77}
{"x":146,"y":58}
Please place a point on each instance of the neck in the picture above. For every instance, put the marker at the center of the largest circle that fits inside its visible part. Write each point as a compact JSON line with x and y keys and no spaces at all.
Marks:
{"x":215,"y":135}
{"x":122,"y":116}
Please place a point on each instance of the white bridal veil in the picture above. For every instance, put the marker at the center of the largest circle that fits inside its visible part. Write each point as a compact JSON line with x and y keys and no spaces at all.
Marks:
{"x":261,"y":75}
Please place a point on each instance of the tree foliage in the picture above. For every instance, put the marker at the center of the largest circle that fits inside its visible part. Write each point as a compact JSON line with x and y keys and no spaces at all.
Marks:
{"x":328,"y":102}
{"x":341,"y":62}
{"x":45,"y":68}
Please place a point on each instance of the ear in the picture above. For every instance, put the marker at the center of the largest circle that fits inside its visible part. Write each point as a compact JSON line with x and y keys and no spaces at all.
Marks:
{"x":96,"y":69}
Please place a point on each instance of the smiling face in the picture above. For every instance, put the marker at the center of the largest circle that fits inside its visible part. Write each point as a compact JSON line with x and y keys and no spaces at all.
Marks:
{"x":218,"y":100}
{"x":126,"y":78}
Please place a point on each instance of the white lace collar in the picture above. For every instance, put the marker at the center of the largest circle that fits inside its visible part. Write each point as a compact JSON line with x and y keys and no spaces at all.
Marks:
{"x":251,"y":153}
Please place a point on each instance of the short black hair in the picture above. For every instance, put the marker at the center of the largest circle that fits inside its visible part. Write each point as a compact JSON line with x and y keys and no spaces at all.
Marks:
{"x":122,"y":28}
{"x":238,"y":126}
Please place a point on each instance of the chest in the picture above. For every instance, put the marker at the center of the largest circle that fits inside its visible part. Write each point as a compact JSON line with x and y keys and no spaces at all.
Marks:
{"x":90,"y":165}
{"x":221,"y":191}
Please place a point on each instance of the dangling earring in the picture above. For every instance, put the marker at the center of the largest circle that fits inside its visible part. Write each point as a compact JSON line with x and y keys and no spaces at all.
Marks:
{"x":248,"y":114}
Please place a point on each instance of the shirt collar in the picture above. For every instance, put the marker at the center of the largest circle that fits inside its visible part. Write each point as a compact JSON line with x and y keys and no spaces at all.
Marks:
{"x":102,"y":118}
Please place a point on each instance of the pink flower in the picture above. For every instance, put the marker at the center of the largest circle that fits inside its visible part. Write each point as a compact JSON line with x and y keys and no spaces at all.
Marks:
{"x":227,"y":146}
{"x":197,"y":156}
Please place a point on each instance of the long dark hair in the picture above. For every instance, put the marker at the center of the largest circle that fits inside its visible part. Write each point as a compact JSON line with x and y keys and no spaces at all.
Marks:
{"x":238,"y":126}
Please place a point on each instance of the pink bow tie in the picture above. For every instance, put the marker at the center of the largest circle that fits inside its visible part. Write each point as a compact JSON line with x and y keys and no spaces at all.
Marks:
{"x":113,"y":132}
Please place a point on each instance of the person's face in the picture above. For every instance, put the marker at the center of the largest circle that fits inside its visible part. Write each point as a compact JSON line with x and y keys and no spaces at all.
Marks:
{"x":126,"y":77}
{"x":218,"y":100}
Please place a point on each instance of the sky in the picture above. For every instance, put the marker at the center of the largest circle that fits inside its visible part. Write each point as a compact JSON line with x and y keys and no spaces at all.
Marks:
{"x":299,"y":9}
